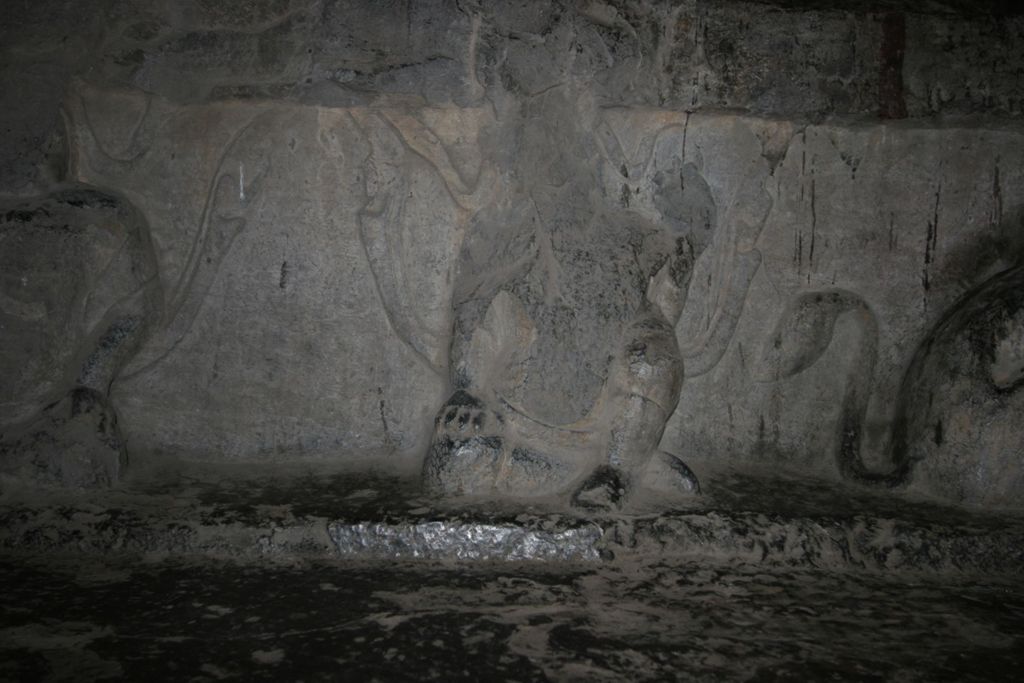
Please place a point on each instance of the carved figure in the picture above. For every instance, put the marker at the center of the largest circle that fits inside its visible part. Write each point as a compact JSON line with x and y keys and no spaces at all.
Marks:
{"x":564,"y":361}
{"x":79,"y":291}
{"x":958,"y":413}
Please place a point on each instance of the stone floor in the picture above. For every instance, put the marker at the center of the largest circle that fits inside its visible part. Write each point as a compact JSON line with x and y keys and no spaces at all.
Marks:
{"x":266,"y":574}
{"x":69,"y":619}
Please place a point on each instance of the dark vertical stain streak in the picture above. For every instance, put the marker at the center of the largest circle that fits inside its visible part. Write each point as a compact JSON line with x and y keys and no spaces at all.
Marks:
{"x":803,"y":160}
{"x":697,"y":42}
{"x":814,"y":225}
{"x":891,"y":104}
{"x":686,"y":129}
{"x":932,"y":238}
{"x":997,"y":197}
{"x":383,"y":416}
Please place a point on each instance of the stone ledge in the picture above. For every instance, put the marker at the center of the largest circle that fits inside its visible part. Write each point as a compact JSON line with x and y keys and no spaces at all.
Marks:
{"x":380,"y":519}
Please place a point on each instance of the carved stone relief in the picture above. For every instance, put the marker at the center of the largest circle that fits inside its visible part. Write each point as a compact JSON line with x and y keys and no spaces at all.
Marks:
{"x":818,"y":372}
{"x":79,"y":292}
{"x":604,"y":276}
{"x":569,"y":301}
{"x":304,"y":254}
{"x":507,"y":266}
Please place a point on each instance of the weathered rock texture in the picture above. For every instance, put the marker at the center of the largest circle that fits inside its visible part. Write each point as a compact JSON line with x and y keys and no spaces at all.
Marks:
{"x":572,"y":233}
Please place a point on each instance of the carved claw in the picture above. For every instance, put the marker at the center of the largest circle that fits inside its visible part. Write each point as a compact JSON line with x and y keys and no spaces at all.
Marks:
{"x":668,"y":474}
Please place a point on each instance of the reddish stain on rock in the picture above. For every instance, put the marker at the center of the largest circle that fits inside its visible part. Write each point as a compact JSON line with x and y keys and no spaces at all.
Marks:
{"x":891,"y":104}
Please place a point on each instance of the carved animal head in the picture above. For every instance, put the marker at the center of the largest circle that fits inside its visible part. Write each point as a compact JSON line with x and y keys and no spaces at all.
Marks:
{"x":804,"y":331}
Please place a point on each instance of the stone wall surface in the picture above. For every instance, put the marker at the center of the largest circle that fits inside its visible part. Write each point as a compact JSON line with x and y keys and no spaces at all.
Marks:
{"x":805,"y":60}
{"x":784,"y":232}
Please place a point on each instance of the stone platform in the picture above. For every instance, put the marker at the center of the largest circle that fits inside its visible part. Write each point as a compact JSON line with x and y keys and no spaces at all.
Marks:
{"x":252,"y":513}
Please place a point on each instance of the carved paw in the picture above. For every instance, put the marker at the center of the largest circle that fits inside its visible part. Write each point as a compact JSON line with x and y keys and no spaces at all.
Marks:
{"x":466,"y":452}
{"x":464,"y":416}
